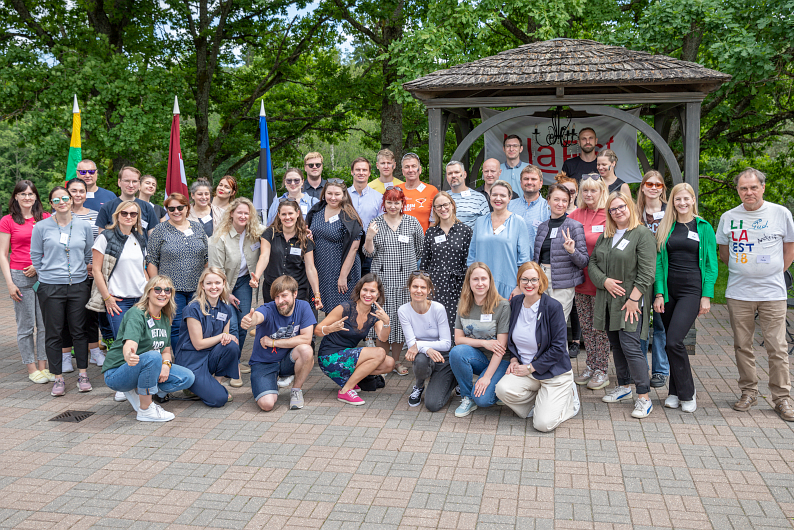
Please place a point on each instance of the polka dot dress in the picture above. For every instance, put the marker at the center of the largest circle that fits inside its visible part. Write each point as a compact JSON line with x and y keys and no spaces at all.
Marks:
{"x":328,"y":241}
{"x":445,"y":259}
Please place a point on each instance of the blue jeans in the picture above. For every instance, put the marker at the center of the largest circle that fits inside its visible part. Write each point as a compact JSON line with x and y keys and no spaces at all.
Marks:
{"x":143,"y":376}
{"x":115,"y":320}
{"x":243,"y":291}
{"x":659,"y":363}
{"x":182,"y":298}
{"x":466,"y":361}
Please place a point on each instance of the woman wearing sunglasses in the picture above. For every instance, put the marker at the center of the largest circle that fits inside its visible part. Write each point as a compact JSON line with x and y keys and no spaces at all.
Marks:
{"x":60,"y":249}
{"x":651,"y":205}
{"x":293,"y":181}
{"x":623,"y":267}
{"x":139,"y":363}
{"x":178,"y":249}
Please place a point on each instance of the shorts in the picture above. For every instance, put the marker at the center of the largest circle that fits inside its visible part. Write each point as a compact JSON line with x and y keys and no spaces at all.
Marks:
{"x":341,"y":365}
{"x":264,"y":376}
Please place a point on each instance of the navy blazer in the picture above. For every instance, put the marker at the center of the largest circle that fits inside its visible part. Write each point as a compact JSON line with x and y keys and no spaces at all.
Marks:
{"x":550,"y":332}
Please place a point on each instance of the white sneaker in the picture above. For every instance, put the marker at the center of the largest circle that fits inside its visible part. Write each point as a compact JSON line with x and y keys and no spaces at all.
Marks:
{"x":99,"y":358}
{"x":134,"y":399}
{"x":155,"y":413}
{"x":66,"y":363}
{"x":577,"y":405}
{"x":619,"y":393}
{"x":672,"y":402}
{"x":690,"y":406}
{"x":120,"y":397}
{"x":285,"y":382}
{"x":642,"y":408}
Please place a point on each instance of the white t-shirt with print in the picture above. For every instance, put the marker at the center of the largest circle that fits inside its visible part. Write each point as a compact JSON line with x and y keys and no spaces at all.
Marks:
{"x":755,"y":245}
{"x":128,"y":278}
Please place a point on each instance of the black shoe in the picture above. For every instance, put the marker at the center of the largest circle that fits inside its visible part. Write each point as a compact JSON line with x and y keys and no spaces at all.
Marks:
{"x":164,"y":399}
{"x":658,"y":380}
{"x":457,"y":391}
{"x":573,"y":350}
{"x":416,"y":396}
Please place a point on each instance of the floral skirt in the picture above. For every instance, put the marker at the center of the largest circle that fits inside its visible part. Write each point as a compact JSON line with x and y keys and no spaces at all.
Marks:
{"x":340,"y":366}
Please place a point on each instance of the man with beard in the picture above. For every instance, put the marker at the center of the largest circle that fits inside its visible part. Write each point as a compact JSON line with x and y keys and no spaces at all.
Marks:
{"x":585,"y":162}
{"x":284,"y":329}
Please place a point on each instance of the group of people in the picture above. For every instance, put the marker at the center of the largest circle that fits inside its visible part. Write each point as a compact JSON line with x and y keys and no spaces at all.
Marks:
{"x":467,"y":282}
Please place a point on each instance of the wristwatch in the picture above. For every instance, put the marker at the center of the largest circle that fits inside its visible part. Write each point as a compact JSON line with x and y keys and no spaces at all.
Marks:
{"x":167,"y":363}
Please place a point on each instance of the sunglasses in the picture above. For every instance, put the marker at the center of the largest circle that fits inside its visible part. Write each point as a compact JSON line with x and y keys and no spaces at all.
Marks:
{"x":420,"y":273}
{"x":315,"y":166}
{"x":617,"y":209}
{"x":64,"y":199}
{"x":594,"y":176}
{"x":570,"y":191}
{"x":87,"y":171}
{"x":336,"y":181}
{"x":172,"y":209}
{"x":129,"y":214}
{"x":287,"y":199}
{"x":161,"y":290}
{"x":410,"y":155}
{"x":292,"y":181}
{"x":654,"y":185}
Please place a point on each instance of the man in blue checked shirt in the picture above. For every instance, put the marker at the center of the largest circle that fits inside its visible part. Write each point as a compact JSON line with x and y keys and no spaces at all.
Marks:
{"x":367,"y":201}
{"x":531,"y":206}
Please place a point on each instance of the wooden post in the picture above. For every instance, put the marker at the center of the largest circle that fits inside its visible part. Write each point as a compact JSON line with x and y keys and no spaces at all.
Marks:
{"x":436,"y":146}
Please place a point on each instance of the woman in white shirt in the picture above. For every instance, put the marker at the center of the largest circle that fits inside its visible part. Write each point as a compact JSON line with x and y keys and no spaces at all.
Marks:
{"x":427,"y":336}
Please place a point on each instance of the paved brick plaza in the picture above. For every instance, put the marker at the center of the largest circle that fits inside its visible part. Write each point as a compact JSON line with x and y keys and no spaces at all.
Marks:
{"x":386,"y":465}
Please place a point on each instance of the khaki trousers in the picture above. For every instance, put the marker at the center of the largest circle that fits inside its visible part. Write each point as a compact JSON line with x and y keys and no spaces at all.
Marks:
{"x":552,"y":398}
{"x":772,"y":319}
{"x":563,"y":296}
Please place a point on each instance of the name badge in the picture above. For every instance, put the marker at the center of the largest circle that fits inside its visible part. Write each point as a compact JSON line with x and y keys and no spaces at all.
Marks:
{"x":764,"y":258}
{"x":254,"y":247}
{"x":188,"y":232}
{"x":221,"y":317}
{"x":598,"y":229}
{"x":206,"y":219}
{"x":304,"y":209}
{"x":441,"y":239}
{"x":693,"y":236}
{"x":623,"y":244}
{"x":486,"y":318}
{"x":295,"y":251}
{"x":658,"y":215}
{"x":499,"y":230}
{"x":144,"y":224}
{"x":536,"y":223}
{"x":64,"y":239}
{"x":466,"y":193}
{"x":402,"y":239}
{"x":150,"y":322}
{"x":388,"y":185}
{"x":334,"y":219}
{"x":89,"y":195}
{"x":420,"y":188}
{"x":553,"y":233}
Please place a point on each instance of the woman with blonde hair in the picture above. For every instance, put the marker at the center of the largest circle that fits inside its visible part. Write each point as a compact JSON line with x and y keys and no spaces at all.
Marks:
{"x":686,"y":270}
{"x":481,"y":327}
{"x":205,"y":345}
{"x":623,"y":267}
{"x":139,"y":363}
{"x":606,"y":161}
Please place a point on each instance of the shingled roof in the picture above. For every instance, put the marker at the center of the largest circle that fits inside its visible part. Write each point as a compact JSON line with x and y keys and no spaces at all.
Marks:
{"x":579,"y":65}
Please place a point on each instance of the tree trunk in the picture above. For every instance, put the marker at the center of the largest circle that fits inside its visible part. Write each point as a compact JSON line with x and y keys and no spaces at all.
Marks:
{"x":204,"y":152}
{"x":391,"y":112}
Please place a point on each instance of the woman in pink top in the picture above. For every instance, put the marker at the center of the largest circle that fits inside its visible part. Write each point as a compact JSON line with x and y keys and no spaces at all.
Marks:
{"x":591,"y":213}
{"x":15,"y":230}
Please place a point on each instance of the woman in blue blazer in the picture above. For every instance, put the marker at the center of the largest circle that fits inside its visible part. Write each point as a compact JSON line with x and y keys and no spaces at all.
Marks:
{"x":538,"y":383}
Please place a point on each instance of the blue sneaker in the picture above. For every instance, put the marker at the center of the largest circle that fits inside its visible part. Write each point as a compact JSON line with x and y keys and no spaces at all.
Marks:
{"x":465,"y":408}
{"x":619,"y":393}
{"x":642,"y":408}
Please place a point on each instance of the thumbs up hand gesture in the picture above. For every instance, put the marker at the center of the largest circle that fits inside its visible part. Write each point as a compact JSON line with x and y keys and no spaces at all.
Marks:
{"x":248,"y":320}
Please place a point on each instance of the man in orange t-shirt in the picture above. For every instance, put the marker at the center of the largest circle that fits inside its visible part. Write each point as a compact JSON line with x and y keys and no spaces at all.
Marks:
{"x":418,"y":195}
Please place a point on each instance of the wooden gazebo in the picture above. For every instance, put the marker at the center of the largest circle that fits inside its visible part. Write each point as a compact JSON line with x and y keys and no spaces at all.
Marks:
{"x":584,"y":75}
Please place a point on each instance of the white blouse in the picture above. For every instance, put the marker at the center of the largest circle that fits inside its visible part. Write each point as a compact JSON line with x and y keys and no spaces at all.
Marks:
{"x":524,"y":333}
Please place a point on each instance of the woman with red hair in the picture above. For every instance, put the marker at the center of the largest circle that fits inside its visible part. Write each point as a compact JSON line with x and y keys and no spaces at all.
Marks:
{"x":394,"y":241}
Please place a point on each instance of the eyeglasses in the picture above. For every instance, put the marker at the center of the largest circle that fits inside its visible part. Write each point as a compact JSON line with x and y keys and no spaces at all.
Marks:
{"x":128,"y":214}
{"x":315,"y":166}
{"x":533,"y":281}
{"x":181,"y":207}
{"x":654,"y":185}
{"x":617,"y":209}
{"x":64,"y":199}
{"x":292,"y":181}
{"x":161,"y":290}
{"x":445,"y":206}
{"x":26,"y":195}
{"x":87,"y":171}
{"x":512,"y":146}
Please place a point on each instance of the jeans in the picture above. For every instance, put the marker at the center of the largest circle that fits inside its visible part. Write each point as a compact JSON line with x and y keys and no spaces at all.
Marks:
{"x":104,"y":326}
{"x":466,"y":361}
{"x":115,"y":320}
{"x":659,"y":362}
{"x":182,"y":298}
{"x":29,"y":319}
{"x":243,"y":291}
{"x":143,"y":376}
{"x":630,"y":362}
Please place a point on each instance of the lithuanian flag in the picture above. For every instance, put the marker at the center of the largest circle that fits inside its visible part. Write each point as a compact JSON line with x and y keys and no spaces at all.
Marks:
{"x":75,"y":147}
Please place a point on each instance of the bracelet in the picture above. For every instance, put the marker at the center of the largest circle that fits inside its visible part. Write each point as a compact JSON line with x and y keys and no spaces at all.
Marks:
{"x":387,"y":325}
{"x":322,"y":332}
{"x":637,"y":301}
{"x":108,"y":298}
{"x":660,"y":295}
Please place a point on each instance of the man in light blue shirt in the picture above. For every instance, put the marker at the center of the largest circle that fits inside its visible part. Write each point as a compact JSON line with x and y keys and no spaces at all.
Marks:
{"x":469,"y":204}
{"x":531,"y":206}
{"x":513,"y":166}
{"x":367,"y":201}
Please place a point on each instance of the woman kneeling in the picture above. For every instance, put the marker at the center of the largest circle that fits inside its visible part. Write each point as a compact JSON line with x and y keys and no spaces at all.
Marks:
{"x":339,"y":356}
{"x":205,"y":345}
{"x":539,"y":381}
{"x":139,"y":362}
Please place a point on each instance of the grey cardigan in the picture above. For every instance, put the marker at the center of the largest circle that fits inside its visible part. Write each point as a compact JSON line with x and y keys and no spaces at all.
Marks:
{"x":567,"y":270}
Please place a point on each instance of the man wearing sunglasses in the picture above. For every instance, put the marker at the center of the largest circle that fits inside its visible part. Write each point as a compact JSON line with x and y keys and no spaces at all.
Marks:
{"x":129,"y":183}
{"x":95,"y":196}
{"x":313,"y":166}
{"x":585,"y":161}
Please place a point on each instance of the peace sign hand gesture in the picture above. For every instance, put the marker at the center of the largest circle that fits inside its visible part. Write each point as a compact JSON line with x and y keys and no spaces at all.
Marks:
{"x":380,"y":314}
{"x":569,"y":244}
{"x":372,"y":230}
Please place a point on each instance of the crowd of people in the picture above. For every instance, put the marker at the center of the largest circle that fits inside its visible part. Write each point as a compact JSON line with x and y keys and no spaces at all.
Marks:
{"x":472,"y":289}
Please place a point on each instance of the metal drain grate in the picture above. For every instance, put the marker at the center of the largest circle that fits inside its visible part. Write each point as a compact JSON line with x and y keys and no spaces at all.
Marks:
{"x":72,"y":416}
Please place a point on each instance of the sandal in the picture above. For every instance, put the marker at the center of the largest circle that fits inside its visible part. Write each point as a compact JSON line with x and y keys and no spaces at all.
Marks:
{"x":399,"y":369}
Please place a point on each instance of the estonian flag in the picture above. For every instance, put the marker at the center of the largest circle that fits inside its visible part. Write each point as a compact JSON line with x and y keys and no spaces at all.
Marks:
{"x":264,"y":188}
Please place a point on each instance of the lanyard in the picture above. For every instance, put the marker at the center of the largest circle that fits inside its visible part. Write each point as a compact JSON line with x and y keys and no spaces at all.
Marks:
{"x":66,"y":248}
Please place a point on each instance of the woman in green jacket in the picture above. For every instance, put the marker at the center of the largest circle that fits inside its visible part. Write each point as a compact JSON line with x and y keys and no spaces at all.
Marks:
{"x":622,"y":267}
{"x":686,"y":269}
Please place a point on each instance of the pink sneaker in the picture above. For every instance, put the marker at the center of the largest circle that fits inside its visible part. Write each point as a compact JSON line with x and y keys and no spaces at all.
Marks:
{"x":350,"y":397}
{"x":357,"y":388}
{"x":83,"y":384}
